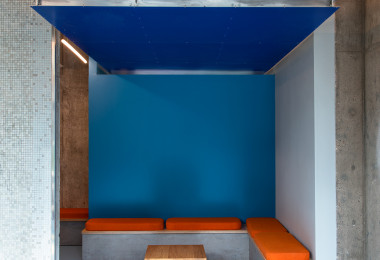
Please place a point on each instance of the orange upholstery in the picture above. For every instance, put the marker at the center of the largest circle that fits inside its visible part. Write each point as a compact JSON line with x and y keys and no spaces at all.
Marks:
{"x":257,"y":225}
{"x":125,"y":224}
{"x":203,"y":224}
{"x":280,"y":246}
{"x":74,"y":213}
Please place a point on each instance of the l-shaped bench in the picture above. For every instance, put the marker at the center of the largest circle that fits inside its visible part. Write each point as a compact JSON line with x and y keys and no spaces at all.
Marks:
{"x":223,"y":238}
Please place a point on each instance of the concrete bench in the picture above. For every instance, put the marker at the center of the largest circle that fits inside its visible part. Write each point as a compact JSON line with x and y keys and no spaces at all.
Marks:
{"x":72,"y":222}
{"x":251,"y":242}
{"x":132,"y":245}
{"x":269,"y":240}
{"x":276,"y":246}
{"x":125,"y":244}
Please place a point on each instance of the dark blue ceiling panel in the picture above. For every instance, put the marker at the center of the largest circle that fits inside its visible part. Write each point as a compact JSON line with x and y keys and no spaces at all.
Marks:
{"x":195,"y":38}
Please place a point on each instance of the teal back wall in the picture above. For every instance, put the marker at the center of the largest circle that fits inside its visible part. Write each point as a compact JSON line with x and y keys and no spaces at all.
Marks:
{"x":181,"y":146}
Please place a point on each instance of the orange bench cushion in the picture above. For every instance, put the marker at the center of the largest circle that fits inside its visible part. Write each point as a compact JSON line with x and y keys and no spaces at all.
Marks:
{"x":280,"y":246}
{"x":203,"y":224}
{"x":125,"y":224}
{"x":257,"y":225}
{"x":74,"y":213}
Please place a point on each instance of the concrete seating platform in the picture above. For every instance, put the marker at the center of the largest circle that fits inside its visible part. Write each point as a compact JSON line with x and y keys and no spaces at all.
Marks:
{"x":277,"y":246}
{"x":131,"y":245}
{"x":261,"y":239}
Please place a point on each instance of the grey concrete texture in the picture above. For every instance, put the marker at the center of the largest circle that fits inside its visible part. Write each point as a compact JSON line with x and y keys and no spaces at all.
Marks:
{"x":254,"y":251}
{"x":372,"y":127}
{"x":349,"y":25}
{"x":70,"y":253}
{"x":74,"y":129}
{"x":71,"y":233}
{"x":372,"y":24}
{"x":350,"y":175}
{"x":133,"y":246}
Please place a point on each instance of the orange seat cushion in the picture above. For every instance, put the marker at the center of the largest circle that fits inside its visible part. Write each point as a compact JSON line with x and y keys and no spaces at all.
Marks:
{"x":280,"y":246}
{"x":257,"y":225}
{"x":74,"y":213}
{"x":125,"y":224}
{"x":203,"y":224}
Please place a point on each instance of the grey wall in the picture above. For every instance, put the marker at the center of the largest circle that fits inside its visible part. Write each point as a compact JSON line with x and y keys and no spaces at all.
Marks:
{"x":372,"y":127}
{"x":305,"y":143}
{"x":26,"y":133}
{"x":357,"y":111}
{"x":349,"y":129}
{"x":74,"y":129}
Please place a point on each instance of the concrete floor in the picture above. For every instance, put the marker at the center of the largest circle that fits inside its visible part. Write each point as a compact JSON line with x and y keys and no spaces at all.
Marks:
{"x":70,"y":253}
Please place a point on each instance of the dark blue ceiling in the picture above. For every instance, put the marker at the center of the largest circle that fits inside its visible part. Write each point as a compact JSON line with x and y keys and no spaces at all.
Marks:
{"x":193,"y":38}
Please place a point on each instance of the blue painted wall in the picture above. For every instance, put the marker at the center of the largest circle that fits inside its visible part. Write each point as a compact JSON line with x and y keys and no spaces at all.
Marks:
{"x":181,"y":146}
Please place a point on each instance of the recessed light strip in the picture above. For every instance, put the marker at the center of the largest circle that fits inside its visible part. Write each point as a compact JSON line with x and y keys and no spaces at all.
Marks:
{"x":73,"y":50}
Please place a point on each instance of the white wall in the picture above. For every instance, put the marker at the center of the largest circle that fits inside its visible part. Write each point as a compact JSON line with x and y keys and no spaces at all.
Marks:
{"x":305,"y":143}
{"x":324,"y":136}
{"x":295,"y":200}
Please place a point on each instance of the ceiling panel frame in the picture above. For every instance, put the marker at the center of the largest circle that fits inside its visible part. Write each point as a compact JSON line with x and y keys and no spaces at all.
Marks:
{"x":189,"y":3}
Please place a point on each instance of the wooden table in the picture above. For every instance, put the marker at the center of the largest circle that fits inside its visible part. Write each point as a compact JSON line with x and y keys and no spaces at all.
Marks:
{"x":175,"y":252}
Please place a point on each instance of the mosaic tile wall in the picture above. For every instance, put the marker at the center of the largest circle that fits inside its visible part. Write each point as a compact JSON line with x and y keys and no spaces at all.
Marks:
{"x":25,"y":133}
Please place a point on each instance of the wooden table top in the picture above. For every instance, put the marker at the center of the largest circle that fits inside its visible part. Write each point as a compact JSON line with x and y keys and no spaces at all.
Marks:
{"x":177,"y":252}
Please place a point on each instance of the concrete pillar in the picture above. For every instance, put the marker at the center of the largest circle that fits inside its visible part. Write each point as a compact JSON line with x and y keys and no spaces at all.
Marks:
{"x":74,"y":129}
{"x":372,"y":127}
{"x":349,"y":129}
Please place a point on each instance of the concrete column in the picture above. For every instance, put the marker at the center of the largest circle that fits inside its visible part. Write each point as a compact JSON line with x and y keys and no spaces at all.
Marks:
{"x":372,"y":127}
{"x":74,"y":129}
{"x":349,"y":129}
